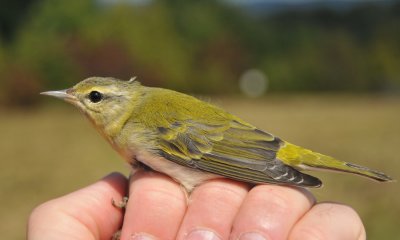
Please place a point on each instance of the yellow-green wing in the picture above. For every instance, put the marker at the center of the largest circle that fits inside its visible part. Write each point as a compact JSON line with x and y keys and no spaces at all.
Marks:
{"x":232,"y":149}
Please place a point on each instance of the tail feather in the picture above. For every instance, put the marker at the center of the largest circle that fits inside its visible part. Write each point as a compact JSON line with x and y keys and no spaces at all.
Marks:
{"x":367,"y":172}
{"x":330,"y":163}
{"x":306,"y":159}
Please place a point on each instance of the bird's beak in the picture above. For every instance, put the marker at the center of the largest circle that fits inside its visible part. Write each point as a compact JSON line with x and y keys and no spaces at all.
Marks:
{"x":62,"y":94}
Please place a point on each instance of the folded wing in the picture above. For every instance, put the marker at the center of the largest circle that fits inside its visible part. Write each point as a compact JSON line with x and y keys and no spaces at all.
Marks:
{"x":232,"y":149}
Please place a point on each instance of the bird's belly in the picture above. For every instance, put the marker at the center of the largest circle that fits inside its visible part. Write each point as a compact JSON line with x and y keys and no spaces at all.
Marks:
{"x":186,"y":176}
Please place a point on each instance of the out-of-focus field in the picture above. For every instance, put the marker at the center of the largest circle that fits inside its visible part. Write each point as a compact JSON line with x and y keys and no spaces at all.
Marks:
{"x":52,"y":151}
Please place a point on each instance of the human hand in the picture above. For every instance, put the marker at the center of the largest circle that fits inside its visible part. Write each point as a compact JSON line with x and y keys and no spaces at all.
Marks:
{"x":218,"y":209}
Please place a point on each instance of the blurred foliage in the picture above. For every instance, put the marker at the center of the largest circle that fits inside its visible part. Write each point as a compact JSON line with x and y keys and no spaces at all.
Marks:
{"x":197,"y":46}
{"x":12,"y":14}
{"x":324,"y":50}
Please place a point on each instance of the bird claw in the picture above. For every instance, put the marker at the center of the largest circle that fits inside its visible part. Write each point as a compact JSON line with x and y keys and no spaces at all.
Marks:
{"x":121,"y":204}
{"x":116,"y":235}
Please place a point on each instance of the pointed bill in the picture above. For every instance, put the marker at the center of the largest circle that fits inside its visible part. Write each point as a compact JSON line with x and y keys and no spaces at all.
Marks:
{"x":62,"y":94}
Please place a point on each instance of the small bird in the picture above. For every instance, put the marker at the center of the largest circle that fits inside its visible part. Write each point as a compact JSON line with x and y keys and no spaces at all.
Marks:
{"x":194,"y":141}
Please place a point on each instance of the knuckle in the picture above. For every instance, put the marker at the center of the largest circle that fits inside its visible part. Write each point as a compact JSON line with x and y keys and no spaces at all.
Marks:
{"x":221,"y":191}
{"x":335,"y":210}
{"x":158,"y":194}
{"x":43,"y":207}
{"x":276,"y":198}
{"x":156,"y":189}
{"x":309,"y":233}
{"x":41,"y":210}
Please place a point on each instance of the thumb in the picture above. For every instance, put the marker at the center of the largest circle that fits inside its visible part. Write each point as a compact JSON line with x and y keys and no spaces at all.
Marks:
{"x":83,"y":214}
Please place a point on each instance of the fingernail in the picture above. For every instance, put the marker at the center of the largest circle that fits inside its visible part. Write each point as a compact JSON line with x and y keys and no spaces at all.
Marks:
{"x":251,"y":236}
{"x":202,"y":234}
{"x":142,"y":236}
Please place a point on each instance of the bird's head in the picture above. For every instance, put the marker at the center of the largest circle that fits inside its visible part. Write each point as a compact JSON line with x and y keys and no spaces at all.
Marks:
{"x":103,"y":100}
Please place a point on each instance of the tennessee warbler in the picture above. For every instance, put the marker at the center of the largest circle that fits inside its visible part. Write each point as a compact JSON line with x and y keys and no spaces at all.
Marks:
{"x":193,"y":141}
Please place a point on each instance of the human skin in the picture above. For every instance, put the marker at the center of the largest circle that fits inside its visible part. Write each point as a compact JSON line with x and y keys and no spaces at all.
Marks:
{"x":158,"y":208}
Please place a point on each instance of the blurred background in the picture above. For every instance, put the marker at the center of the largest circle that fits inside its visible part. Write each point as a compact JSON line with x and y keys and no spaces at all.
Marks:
{"x":323,"y":74}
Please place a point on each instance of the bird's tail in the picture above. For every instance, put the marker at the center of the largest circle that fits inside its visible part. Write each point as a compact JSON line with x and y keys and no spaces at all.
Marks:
{"x":299,"y":157}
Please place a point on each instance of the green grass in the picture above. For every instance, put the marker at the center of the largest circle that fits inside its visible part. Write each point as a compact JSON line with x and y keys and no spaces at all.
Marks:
{"x":53,"y":150}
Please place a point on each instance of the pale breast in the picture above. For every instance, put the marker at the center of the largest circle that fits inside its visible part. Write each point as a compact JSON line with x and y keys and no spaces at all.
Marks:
{"x":188,"y":177}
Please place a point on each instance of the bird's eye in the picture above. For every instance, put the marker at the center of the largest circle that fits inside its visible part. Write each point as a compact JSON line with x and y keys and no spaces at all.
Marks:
{"x":95,"y":96}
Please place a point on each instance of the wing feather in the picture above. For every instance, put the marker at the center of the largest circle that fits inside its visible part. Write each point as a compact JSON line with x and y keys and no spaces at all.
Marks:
{"x":233,"y":149}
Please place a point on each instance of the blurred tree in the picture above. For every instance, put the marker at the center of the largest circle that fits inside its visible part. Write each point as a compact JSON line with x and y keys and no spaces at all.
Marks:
{"x":2,"y":72}
{"x":201,"y":46}
{"x":327,"y":50}
{"x":12,"y":15}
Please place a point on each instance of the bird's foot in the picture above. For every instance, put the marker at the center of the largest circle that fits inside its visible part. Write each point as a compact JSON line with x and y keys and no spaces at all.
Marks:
{"x":116,"y":235}
{"x":121,"y":204}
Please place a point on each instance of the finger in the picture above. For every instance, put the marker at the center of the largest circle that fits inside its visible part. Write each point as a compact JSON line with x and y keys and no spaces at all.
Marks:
{"x":270,"y":211}
{"x":155,"y":208}
{"x":329,"y":221}
{"x":84,"y":214}
{"x":212,"y":208}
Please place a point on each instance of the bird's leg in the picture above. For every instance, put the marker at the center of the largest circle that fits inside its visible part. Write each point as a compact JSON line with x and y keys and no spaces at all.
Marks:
{"x":116,"y":235}
{"x":121,"y":204}
{"x":136,"y":165}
